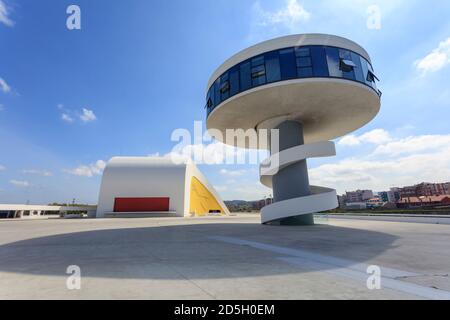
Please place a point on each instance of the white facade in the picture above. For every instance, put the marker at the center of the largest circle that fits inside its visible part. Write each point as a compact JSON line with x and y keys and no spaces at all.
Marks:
{"x":39,"y":211}
{"x":147,"y":177}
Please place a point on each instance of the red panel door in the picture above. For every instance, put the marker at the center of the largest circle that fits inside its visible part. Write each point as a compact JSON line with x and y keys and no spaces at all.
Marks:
{"x":141,"y":204}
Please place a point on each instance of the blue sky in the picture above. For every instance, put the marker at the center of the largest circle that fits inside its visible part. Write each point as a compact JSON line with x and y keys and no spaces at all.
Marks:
{"x":137,"y":70}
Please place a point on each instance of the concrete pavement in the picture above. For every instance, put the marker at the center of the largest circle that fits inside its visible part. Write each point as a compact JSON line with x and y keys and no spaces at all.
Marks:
{"x":222,"y":258}
{"x":430,"y":219}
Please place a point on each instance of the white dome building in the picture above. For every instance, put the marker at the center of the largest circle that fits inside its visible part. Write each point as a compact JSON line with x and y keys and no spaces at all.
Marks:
{"x":149,"y":187}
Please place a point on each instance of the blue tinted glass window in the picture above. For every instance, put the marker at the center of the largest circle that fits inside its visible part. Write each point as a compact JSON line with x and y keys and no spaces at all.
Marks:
{"x":304,"y":62}
{"x":358,"y":69}
{"x":305,"y":72}
{"x":224,"y":90}
{"x":346,"y":55}
{"x":257,"y":61}
{"x":365,"y":70}
{"x":234,"y":81}
{"x":246,"y":76}
{"x":258,"y":71}
{"x":211,"y":96}
{"x":258,"y":81}
{"x":209,"y":103}
{"x":373,"y":83}
{"x":217,"y":92}
{"x":333,"y":61}
{"x":273,"y":72}
{"x":302,"y":52}
{"x":224,"y":87}
{"x":288,"y":64}
{"x":258,"y":75}
{"x":224,"y":77}
{"x":319,"y":60}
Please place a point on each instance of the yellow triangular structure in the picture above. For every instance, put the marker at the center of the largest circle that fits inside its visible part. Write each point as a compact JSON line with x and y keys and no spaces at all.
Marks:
{"x":202,"y":201}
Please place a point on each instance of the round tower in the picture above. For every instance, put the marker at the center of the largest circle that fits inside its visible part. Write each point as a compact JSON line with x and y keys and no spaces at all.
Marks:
{"x":311,"y":88}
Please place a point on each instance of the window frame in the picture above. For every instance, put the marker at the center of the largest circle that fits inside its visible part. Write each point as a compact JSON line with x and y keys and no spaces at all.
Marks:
{"x":347,"y":65}
{"x":372,"y":76}
{"x":225,"y":87}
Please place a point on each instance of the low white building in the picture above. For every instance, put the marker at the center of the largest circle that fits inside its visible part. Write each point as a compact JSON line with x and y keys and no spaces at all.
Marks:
{"x":23,"y":211}
{"x":150,"y":186}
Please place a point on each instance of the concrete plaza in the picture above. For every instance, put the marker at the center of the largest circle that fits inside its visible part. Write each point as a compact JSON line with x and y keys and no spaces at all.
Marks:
{"x":223,"y":258}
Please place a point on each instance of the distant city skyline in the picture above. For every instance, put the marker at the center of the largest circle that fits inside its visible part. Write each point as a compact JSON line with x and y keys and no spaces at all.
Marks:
{"x":136,"y":71}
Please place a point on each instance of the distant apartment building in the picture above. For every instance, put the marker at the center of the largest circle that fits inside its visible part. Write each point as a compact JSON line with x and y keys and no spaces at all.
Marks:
{"x":417,"y":196}
{"x":389,"y":196}
{"x":424,"y":201}
{"x":425,"y":190}
{"x":342,"y":200}
{"x":384,"y":196}
{"x":258,"y":205}
{"x":395,"y":192}
{"x":409,"y":191}
{"x":374,"y":202}
{"x":359,"y":196}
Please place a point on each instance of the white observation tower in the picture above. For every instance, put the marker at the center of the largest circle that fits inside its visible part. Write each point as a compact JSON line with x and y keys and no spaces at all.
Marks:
{"x":312,"y":88}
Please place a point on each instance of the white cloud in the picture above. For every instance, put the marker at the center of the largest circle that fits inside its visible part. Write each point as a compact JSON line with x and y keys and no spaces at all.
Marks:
{"x":350,"y":140}
{"x":436,"y":60}
{"x":4,"y":86}
{"x":233,"y":173}
{"x":377,"y":136}
{"x":19,"y":183}
{"x":2,"y":168}
{"x":69,"y":116}
{"x":220,"y":188}
{"x":4,"y":15}
{"x":43,"y":173}
{"x":88,"y":115}
{"x":290,"y":16}
{"x":412,"y":160}
{"x":89,"y":171}
{"x":413,"y":145}
{"x":66,"y":118}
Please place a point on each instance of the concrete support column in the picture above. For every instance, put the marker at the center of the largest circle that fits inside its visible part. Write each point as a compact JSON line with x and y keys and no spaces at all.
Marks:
{"x":293,"y":181}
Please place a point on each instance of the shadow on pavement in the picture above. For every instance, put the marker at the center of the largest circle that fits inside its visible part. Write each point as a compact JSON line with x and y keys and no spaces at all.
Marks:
{"x":174,"y":252}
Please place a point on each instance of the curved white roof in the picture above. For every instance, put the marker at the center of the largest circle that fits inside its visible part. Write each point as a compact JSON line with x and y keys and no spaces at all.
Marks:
{"x":136,"y":162}
{"x":147,"y":177}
